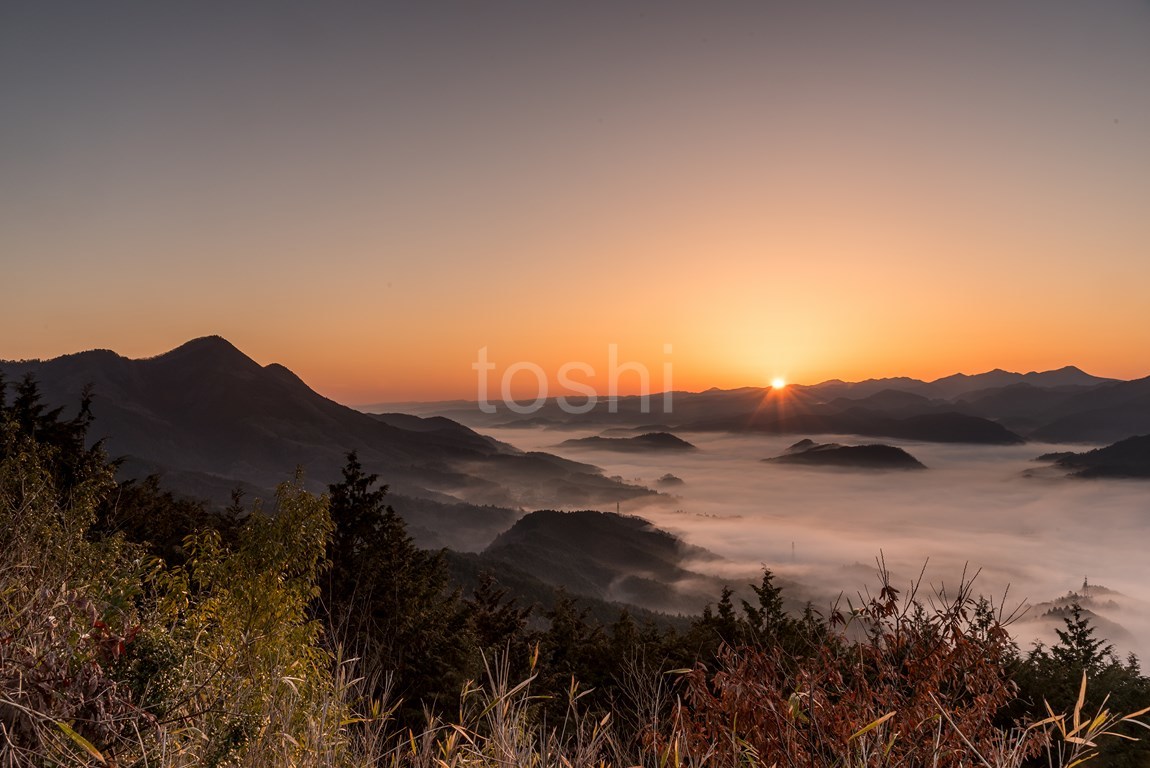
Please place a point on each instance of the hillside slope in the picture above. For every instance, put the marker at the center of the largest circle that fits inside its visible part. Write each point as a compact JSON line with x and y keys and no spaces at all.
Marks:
{"x":207,"y":412}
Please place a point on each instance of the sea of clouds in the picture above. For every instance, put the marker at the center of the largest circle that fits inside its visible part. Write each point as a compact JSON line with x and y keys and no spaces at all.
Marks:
{"x":1030,"y":538}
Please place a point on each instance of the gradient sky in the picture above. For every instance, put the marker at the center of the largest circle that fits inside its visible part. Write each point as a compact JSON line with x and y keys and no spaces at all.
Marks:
{"x":370,"y":192}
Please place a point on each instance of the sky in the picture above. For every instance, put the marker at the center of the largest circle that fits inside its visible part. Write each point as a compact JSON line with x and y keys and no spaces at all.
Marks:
{"x":372,"y":192}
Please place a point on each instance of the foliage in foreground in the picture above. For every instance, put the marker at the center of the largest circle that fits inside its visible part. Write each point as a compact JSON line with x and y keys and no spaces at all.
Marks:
{"x":122,"y":643}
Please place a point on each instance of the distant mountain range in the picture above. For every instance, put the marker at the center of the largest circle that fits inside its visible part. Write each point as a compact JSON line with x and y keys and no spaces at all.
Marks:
{"x":955,"y":386}
{"x":208,"y":417}
{"x":997,"y":408}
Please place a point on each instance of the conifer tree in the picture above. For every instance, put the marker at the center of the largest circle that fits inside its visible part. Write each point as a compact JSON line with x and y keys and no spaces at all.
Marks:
{"x":1077,"y":646}
{"x":388,"y":602}
{"x":498,"y":626}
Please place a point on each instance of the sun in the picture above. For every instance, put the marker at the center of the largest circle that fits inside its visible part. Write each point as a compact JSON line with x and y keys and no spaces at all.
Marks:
{"x":778,"y":382}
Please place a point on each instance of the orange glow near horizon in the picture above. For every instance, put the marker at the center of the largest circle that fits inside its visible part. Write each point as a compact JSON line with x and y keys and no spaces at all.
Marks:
{"x":362,"y":370}
{"x":770,"y":190}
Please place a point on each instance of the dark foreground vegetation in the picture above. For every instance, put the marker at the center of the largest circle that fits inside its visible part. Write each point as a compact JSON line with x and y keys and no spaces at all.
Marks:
{"x":137,"y":628}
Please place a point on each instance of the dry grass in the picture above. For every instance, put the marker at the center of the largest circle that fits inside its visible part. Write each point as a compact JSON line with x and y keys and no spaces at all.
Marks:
{"x":108,"y":658}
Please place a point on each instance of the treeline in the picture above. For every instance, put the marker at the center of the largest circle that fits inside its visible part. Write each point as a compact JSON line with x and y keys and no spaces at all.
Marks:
{"x":139,"y":628}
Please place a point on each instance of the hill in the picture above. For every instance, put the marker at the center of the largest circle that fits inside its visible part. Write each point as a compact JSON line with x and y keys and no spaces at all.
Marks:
{"x":809,"y":453}
{"x":1126,"y":458}
{"x":882,"y":412}
{"x":946,"y":427}
{"x":209,"y":416}
{"x":996,"y":408}
{"x":651,"y":441}
{"x":1020,"y":407}
{"x":608,"y":556}
{"x":1100,"y":415}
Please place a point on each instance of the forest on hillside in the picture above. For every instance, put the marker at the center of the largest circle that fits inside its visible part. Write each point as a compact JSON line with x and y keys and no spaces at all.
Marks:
{"x":138,"y":627}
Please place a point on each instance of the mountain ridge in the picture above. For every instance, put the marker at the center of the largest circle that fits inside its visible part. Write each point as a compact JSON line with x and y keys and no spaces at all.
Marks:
{"x":208,"y":409}
{"x":1059,"y":405}
{"x":996,"y":407}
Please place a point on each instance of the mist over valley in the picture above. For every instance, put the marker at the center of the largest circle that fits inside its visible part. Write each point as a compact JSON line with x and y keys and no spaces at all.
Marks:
{"x":816,"y":508}
{"x":975,"y":508}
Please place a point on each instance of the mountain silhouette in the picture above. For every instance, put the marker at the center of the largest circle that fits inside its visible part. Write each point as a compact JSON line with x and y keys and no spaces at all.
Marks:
{"x":946,"y":427}
{"x":996,"y":407}
{"x":607,"y":555}
{"x":1126,"y":458}
{"x":875,"y":456}
{"x":1100,"y":415}
{"x":959,"y":384}
{"x":211,"y":416}
{"x":650,"y":441}
{"x":794,"y":410}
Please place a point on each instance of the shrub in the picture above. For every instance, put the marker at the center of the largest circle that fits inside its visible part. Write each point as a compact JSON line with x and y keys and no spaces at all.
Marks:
{"x":923,"y":687}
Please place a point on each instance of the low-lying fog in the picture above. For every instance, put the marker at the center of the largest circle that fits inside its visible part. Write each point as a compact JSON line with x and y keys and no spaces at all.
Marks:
{"x":823,"y":528}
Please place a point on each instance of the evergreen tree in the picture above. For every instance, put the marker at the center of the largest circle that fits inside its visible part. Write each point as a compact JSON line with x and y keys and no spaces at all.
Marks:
{"x":1054,"y":676}
{"x":497,"y":626}
{"x":765,"y":620}
{"x":1077,"y":646}
{"x":357,"y":511}
{"x":62,"y":443}
{"x":142,"y":511}
{"x":388,"y":602}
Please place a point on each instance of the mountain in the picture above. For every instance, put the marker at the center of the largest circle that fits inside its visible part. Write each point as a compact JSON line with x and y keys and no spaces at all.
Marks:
{"x":609,"y":556}
{"x":793,"y":410}
{"x":212,"y":416}
{"x":1126,"y":458}
{"x":893,"y":402}
{"x":957,"y":385}
{"x":1108,"y":610}
{"x":650,"y":441}
{"x":951,"y":387}
{"x":947,"y":427}
{"x":1100,"y":415}
{"x":809,"y":453}
{"x":1021,"y":407}
{"x":996,"y":407}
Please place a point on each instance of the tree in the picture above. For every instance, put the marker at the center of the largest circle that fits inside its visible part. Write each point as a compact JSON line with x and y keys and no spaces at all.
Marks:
{"x":61,"y":444}
{"x":572,"y":652}
{"x":765,"y":620}
{"x":1054,"y":676}
{"x":388,"y":602}
{"x":239,"y":617}
{"x":144,"y":512}
{"x":357,"y":511}
{"x":1077,"y":646}
{"x":498,"y":627}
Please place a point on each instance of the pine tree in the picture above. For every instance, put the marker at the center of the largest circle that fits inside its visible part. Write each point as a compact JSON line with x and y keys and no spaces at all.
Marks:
{"x":61,"y":444}
{"x":388,"y":602}
{"x":498,"y":626}
{"x":1078,"y":648}
{"x":1054,"y":676}
{"x":765,"y":620}
{"x":726,"y":620}
{"x":357,"y":511}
